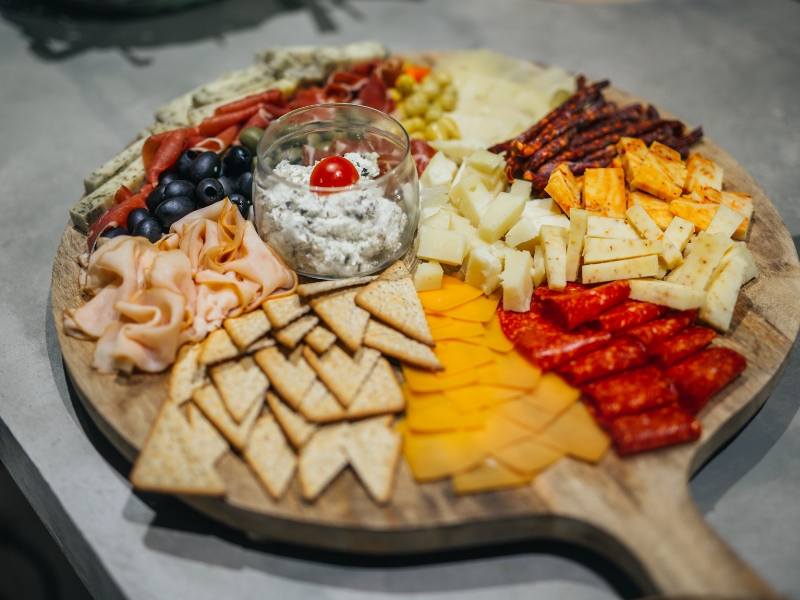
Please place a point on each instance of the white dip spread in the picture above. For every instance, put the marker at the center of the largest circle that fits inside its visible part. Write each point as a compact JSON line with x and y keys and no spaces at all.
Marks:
{"x":338,"y":234}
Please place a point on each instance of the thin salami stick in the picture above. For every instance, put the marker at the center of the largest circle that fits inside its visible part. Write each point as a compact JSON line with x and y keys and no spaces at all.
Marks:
{"x":578,"y":168}
{"x":549,"y":150}
{"x":652,"y":112}
{"x":684,"y":344}
{"x":607,"y":127}
{"x":579,"y":307}
{"x":654,"y":429}
{"x":629,"y":314}
{"x":694,"y":136}
{"x":551,"y":351}
{"x":631,"y":392}
{"x":653,"y":333}
{"x":620,"y":355}
{"x":597,"y":111}
{"x":661,"y":133}
{"x":704,"y":374}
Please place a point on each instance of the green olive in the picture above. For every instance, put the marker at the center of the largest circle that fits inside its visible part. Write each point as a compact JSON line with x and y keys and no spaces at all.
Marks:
{"x":249,"y":138}
{"x":450,"y":127}
{"x":416,"y":104}
{"x":448,"y":101}
{"x":413,"y":124}
{"x":435,"y":131}
{"x":443,"y":77}
{"x":430,"y":87}
{"x":405,"y":84}
{"x":434,"y":112}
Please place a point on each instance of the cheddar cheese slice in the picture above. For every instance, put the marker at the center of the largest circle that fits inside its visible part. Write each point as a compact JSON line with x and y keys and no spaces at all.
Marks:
{"x":527,"y":457}
{"x":452,"y":294}
{"x":479,"y":310}
{"x":439,"y":455}
{"x":419,"y":380}
{"x":576,"y":433}
{"x":491,"y":475}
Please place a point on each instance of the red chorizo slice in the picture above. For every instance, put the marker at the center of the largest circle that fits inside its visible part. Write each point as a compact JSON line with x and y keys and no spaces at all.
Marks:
{"x":684,"y":344}
{"x":579,"y":307}
{"x":653,"y":333}
{"x":704,"y":374}
{"x":654,"y":429}
{"x":550,"y":350}
{"x":514,"y":324}
{"x":629,"y":314}
{"x":620,"y":355}
{"x":631,"y":392}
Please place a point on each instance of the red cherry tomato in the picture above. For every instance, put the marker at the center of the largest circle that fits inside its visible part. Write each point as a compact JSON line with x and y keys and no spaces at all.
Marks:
{"x":334,"y":171}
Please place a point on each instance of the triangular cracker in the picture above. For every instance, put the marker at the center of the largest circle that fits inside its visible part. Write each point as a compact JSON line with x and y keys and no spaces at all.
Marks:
{"x":320,"y":406}
{"x":282,"y":311}
{"x":187,"y":373}
{"x":246,"y":329}
{"x":395,"y":344}
{"x":373,"y":450}
{"x":322,"y":459}
{"x":393,"y":299}
{"x":340,"y":313}
{"x":293,"y":333}
{"x":380,"y":393}
{"x":340,"y":373}
{"x":209,"y":444}
{"x":167,"y":462}
{"x":218,"y":346}
{"x":270,"y":456}
{"x":265,"y":342}
{"x":322,"y":287}
{"x":210,"y":402}
{"x":320,"y":339}
{"x":294,"y":425}
{"x":291,"y":381}
{"x":240,"y":383}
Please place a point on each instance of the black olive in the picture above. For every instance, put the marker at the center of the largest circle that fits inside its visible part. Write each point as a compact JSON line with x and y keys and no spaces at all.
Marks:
{"x":180,"y":187}
{"x":173,"y":209}
{"x":184,"y":162}
{"x":245,"y":185}
{"x":237,"y":161}
{"x":205,"y":165}
{"x":149,"y":228}
{"x":168,"y":176}
{"x":241,"y":202}
{"x":136,"y":216}
{"x":209,"y":191}
{"x":116,"y":231}
{"x":155,"y":198}
{"x":228,"y":185}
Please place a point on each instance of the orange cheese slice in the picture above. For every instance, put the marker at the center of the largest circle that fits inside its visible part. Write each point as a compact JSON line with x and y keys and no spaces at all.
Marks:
{"x":510,"y":370}
{"x":457,"y":357}
{"x":527,"y":457}
{"x":421,"y":381}
{"x":477,"y":397}
{"x":526,"y":414}
{"x":437,"y":321}
{"x":480,"y":310}
{"x":442,"y":417}
{"x":553,"y":394}
{"x":494,"y":332}
{"x":452,"y":293}
{"x":421,"y":400}
{"x":457,"y":330}
{"x":576,"y":433}
{"x":439,"y":455}
{"x":500,"y":431}
{"x":490,"y":475}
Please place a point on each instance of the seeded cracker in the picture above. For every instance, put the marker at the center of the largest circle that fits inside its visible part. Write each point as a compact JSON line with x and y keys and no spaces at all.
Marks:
{"x":340,"y":313}
{"x":167,"y":463}
{"x":320,"y":339}
{"x":210,"y":402}
{"x":322,"y":287}
{"x":246,"y":329}
{"x":291,"y":381}
{"x":240,"y":383}
{"x":292,"y":334}
{"x":373,"y":450}
{"x":296,"y":428}
{"x":283,"y":311}
{"x":322,"y":459}
{"x":209,"y":444}
{"x":187,"y":373}
{"x":393,"y":299}
{"x":270,"y":456}
{"x":340,"y":373}
{"x":218,"y":346}
{"x":379,"y":394}
{"x":320,"y":406}
{"x":395,"y":344}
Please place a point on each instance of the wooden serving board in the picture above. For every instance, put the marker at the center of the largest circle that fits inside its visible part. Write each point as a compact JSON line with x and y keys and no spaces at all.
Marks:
{"x":636,"y":511}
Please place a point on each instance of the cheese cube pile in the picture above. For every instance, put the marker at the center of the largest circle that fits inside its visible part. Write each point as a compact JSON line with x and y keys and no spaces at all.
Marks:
{"x":490,"y":420}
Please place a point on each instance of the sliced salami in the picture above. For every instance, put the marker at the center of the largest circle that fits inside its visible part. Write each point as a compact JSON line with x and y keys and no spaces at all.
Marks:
{"x":654,"y":429}
{"x":549,"y":351}
{"x":704,"y":374}
{"x":631,"y":392}
{"x":579,"y":307}
{"x":629,"y":314}
{"x":653,"y":333}
{"x":620,"y":355}
{"x":684,"y":344}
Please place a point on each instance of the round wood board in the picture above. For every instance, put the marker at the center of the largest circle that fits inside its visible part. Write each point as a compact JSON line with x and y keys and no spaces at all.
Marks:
{"x":636,"y":511}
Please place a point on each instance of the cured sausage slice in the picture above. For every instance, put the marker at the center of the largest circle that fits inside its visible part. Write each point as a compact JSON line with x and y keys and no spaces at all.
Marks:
{"x":684,"y":344}
{"x":515,"y":324}
{"x":631,"y":392}
{"x":579,"y":307}
{"x":629,"y":314}
{"x":654,"y":429}
{"x":620,"y":355}
{"x":653,"y":333}
{"x":549,"y":351}
{"x":704,"y":374}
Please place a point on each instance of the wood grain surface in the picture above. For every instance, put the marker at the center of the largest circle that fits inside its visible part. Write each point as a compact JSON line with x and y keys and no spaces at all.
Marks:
{"x":636,"y":511}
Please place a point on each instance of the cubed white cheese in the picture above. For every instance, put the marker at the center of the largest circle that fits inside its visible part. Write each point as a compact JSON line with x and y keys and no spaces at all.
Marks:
{"x":448,"y":247}
{"x":440,"y":171}
{"x":606,"y":227}
{"x":630,"y":268}
{"x":597,"y":250}
{"x":538,"y":272}
{"x":474,"y":203}
{"x":725,"y":221}
{"x":707,"y":251}
{"x":722,"y":294}
{"x":523,"y":233}
{"x":437,"y":218}
{"x":666,"y":294}
{"x":520,"y":187}
{"x":517,"y":281}
{"x":484,"y":161}
{"x":484,"y":270}
{"x":428,"y":276}
{"x":678,"y":232}
{"x":554,"y":243}
{"x":502,"y":214}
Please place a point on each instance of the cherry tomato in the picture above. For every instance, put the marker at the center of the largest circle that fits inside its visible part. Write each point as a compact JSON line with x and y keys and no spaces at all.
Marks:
{"x":334,"y":171}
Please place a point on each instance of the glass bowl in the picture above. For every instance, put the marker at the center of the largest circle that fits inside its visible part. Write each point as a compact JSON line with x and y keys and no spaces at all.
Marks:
{"x":330,"y":233}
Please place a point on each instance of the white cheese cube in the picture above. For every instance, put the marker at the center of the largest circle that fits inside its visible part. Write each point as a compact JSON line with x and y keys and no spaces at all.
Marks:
{"x":474,"y":203}
{"x":598,"y":250}
{"x":554,"y":243}
{"x":517,"y":281}
{"x":722,"y":294}
{"x":484,"y":161}
{"x":435,"y":217}
{"x":606,"y":227}
{"x":707,"y":251}
{"x":630,"y":268}
{"x":666,"y":294}
{"x":428,"y":276}
{"x":520,"y":187}
{"x":579,"y":221}
{"x":738,"y":250}
{"x":561,"y":220}
{"x":545,"y":206}
{"x":448,"y":247}
{"x":462,"y":225}
{"x":440,"y":171}
{"x":524,"y":232}
{"x":464,"y":185}
{"x":500,"y":216}
{"x":483,"y":270}
{"x":643,"y":223}
{"x":458,"y":150}
{"x":678,"y":232}
{"x":725,"y":221}
{"x":433,"y":197}
{"x":538,"y":272}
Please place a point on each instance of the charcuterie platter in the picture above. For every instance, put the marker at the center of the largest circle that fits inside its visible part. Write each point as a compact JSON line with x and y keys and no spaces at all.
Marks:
{"x":635,"y":510}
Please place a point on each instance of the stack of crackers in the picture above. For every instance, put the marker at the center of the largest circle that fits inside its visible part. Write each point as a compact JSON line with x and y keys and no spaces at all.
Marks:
{"x":303,"y":386}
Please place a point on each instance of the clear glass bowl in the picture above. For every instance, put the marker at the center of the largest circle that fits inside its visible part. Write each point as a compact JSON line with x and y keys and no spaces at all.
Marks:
{"x":330,"y":233}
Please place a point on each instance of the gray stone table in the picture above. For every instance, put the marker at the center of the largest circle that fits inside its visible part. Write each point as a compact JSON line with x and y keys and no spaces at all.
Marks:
{"x":75,"y":89}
